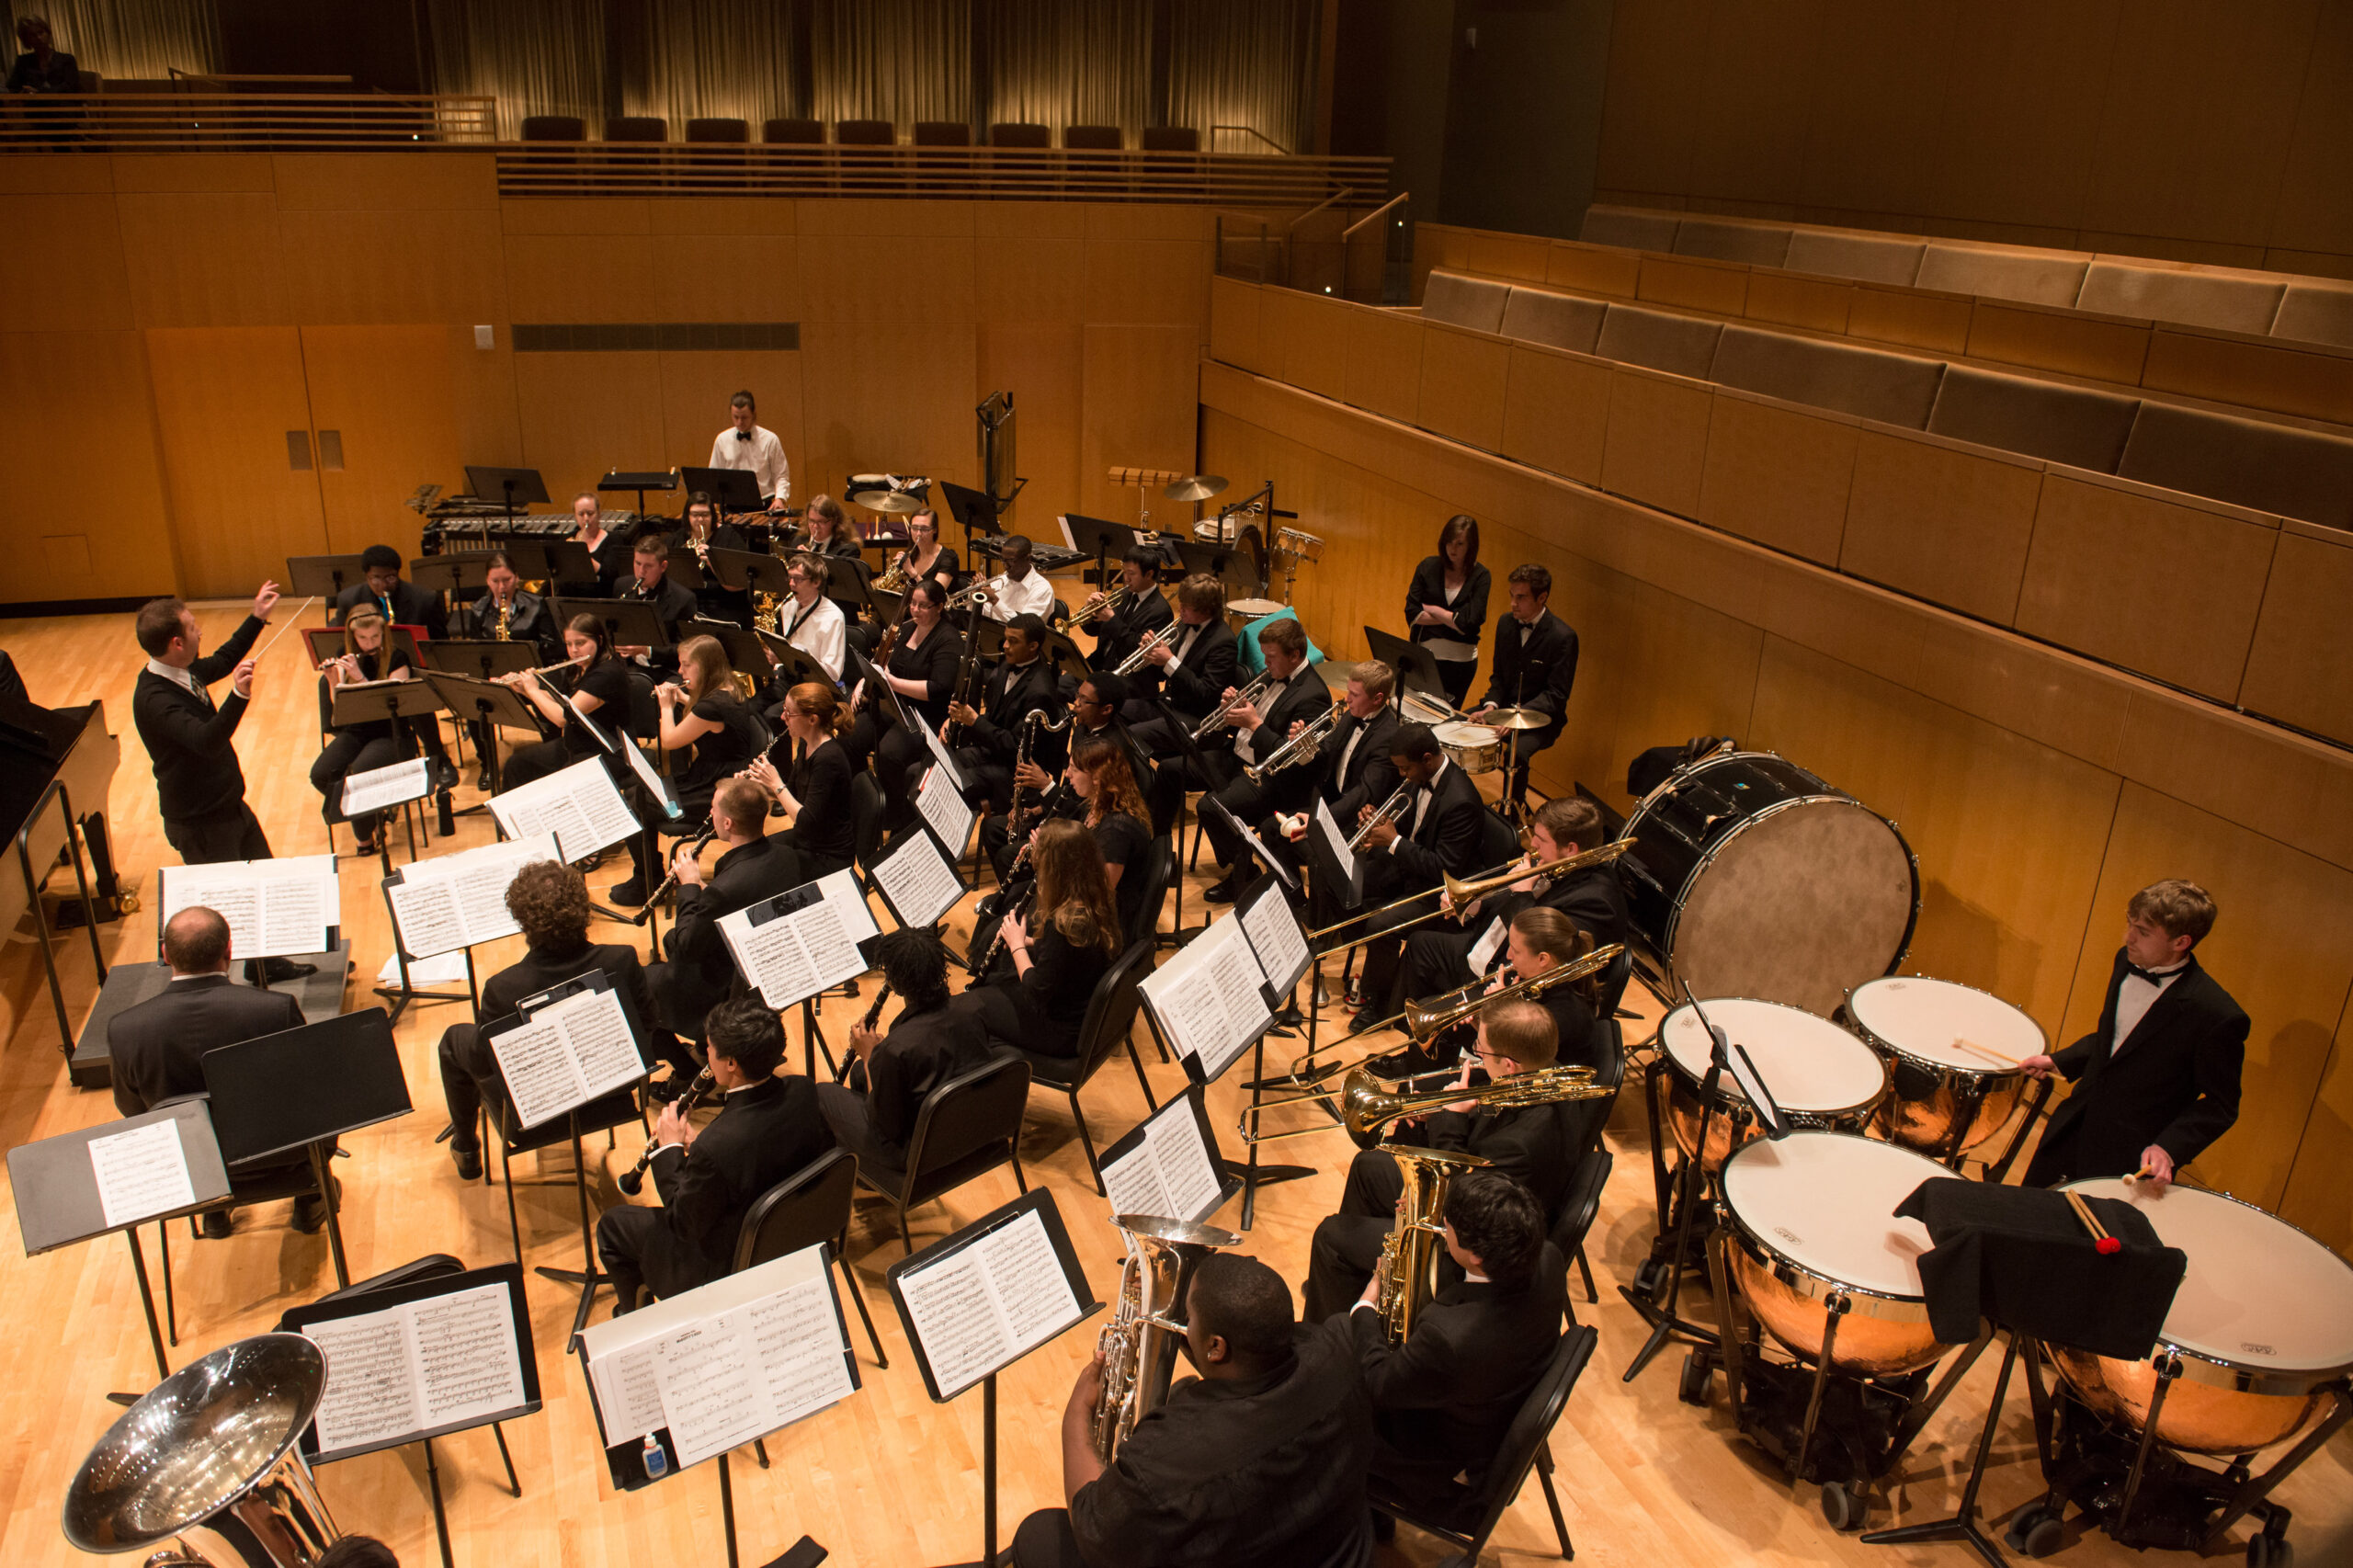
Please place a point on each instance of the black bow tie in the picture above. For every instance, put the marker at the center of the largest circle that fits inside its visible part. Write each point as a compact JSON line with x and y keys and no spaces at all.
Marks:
{"x":2155,"y":977}
{"x":742,"y":435}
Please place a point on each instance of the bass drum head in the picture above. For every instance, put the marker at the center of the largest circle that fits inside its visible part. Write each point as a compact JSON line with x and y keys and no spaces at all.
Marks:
{"x":1799,"y":904}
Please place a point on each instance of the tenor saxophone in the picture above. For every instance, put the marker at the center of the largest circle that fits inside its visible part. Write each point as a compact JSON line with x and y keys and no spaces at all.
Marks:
{"x":1139,"y":1345}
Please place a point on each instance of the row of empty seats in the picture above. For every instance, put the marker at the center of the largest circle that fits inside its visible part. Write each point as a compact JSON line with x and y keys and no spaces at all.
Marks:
{"x":863,"y":133}
{"x":2270,"y":467}
{"x":2227,"y":298}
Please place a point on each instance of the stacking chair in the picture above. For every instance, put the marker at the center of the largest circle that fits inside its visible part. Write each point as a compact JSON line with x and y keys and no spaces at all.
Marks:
{"x":806,"y":1209}
{"x":554,"y":128}
{"x":1578,"y":1210}
{"x":1110,"y":1023}
{"x":968,"y":1127}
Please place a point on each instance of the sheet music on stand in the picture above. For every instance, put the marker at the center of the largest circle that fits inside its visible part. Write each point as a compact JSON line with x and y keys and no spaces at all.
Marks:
{"x":580,"y":805}
{"x":574,"y":1043}
{"x":984,"y":1298}
{"x":797,"y":943}
{"x":380,"y":787}
{"x":941,"y":803}
{"x":1249,"y":836}
{"x":73,"y":1186}
{"x":719,"y":1366}
{"x":1335,"y":844}
{"x":1276,"y":938}
{"x":1170,"y":1165}
{"x":1210,"y":999}
{"x":657,"y":788}
{"x":939,"y":751}
{"x":458,"y":900}
{"x":273,"y":907}
{"x":915,"y":879}
{"x":417,"y":1361}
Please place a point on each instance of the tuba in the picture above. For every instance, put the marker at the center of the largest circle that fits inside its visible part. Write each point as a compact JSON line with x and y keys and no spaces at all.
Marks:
{"x":1408,"y":1271}
{"x":1139,"y":1345}
{"x":206,"y":1466}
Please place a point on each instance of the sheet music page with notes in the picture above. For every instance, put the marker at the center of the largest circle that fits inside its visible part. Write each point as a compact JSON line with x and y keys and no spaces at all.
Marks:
{"x":567,"y":1055}
{"x":1168,"y":1173}
{"x":943,"y":809}
{"x":940,"y":752}
{"x":1208,"y":996}
{"x":382,"y":787}
{"x":800,"y":942}
{"x":141,"y":1173}
{"x":455,"y":901}
{"x":984,"y":1305}
{"x":1337,"y":840}
{"x":580,"y":805}
{"x":273,"y":907}
{"x":917,"y":881}
{"x":421,"y":1367}
{"x":1275,"y":939}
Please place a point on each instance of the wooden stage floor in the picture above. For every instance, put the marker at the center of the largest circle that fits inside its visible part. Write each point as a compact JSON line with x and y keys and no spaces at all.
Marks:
{"x":886,"y":1478}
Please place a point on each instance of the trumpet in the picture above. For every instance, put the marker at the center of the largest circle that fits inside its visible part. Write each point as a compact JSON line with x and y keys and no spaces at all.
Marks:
{"x":977,"y":595}
{"x":1135,"y":660}
{"x":1428,"y":1018}
{"x":1115,"y":599}
{"x":1248,"y":694}
{"x":1300,"y":747}
{"x":1388,"y":811}
{"x":1367,"y":1109}
{"x":1463,"y":892}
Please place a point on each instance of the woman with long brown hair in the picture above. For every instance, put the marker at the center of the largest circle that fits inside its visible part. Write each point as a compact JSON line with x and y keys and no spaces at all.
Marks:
{"x":1060,"y":949}
{"x":596,"y":682}
{"x":1447,"y":604}
{"x":814,"y":783}
{"x":705,"y":711}
{"x":1115,"y":812}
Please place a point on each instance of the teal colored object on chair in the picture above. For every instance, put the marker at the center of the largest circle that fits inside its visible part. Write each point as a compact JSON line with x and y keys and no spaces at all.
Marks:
{"x":1253,"y":661}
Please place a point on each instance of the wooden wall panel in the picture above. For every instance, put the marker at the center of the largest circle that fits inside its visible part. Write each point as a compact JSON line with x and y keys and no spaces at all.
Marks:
{"x":440,"y":181}
{"x":2301,"y":669}
{"x":389,"y":392}
{"x":2015,"y":139}
{"x":902,"y":277}
{"x":67,"y":273}
{"x":2282,"y":946}
{"x":1701,"y":285}
{"x":81,"y":392}
{"x":1042,"y":364}
{"x":2152,"y":585}
{"x":226,"y":397}
{"x":1163,"y":281}
{"x":1025,"y":279}
{"x":1556,"y":411}
{"x":1778,"y":476}
{"x":2260,"y":375}
{"x":1306,"y":339}
{"x":1758,"y":67}
{"x":2319,"y":1195}
{"x":2313,"y":215}
{"x":1384,"y":362}
{"x":885,"y":397}
{"x":203,"y":259}
{"x":1880,"y":96}
{"x":721,"y":278}
{"x":1141,"y":404}
{"x":1657,"y":439}
{"x":1464,"y":376}
{"x":1789,"y":299}
{"x":390,"y":267}
{"x":1946,"y":524}
{"x":1649,"y":126}
{"x":2099,"y":349}
{"x":1933,"y":322}
{"x":579,"y":278}
{"x":1235,"y":335}
{"x":582,"y":413}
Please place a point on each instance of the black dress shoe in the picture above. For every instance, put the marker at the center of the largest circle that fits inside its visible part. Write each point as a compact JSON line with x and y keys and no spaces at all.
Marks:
{"x":1412,"y":1061}
{"x":215,"y":1224}
{"x":482,"y":783}
{"x":1365,"y":1018}
{"x":469,"y":1163}
{"x":310,"y":1212}
{"x":1221,"y":891}
{"x":630,"y":894}
{"x":445,"y":774}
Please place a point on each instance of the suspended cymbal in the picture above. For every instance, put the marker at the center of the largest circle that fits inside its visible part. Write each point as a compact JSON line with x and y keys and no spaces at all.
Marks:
{"x":897,"y":502}
{"x":1200,"y":487}
{"x":1514,"y":718}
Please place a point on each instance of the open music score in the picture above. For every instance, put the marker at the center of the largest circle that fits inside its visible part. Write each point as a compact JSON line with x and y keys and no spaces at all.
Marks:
{"x":1170,"y":1165}
{"x":797,"y":943}
{"x":418,"y":1361}
{"x":575,"y":1043}
{"x":141,"y":1173}
{"x":382,"y":787}
{"x":940,"y":752}
{"x":273,"y":907}
{"x":1335,"y":840}
{"x":915,"y":879}
{"x":941,"y":803}
{"x":1276,"y":938}
{"x":579,"y":806}
{"x":984,"y":1298}
{"x":1211,"y":998}
{"x":455,"y":901}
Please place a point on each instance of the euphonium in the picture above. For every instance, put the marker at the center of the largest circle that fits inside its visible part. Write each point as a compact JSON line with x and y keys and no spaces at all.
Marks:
{"x":1407,"y":1272}
{"x":1139,"y":1345}
{"x":1367,"y":1109}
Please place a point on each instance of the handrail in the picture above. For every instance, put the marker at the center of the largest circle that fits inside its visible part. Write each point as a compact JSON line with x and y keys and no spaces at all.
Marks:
{"x":1341,"y":195}
{"x":1254,"y":131}
{"x":1350,"y":231}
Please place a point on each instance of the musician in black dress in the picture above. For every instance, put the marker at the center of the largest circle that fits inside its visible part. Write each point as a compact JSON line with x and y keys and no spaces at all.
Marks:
{"x":608,"y":551}
{"x":1535,"y":665}
{"x":987,"y":742}
{"x":2158,"y":1080}
{"x":1446,"y":605}
{"x":925,"y":555}
{"x":1294,"y":697}
{"x":674,"y":605}
{"x":704,"y":712}
{"x":365,"y":747}
{"x":812,"y":784}
{"x":1562,"y":826}
{"x":597,"y":682}
{"x":1116,"y":634}
{"x":919,"y":676}
{"x":703,"y":533}
{"x":1060,"y":948}
{"x":751,"y":867}
{"x":874,"y":1111}
{"x":1112,"y":807}
{"x":1094,"y":715}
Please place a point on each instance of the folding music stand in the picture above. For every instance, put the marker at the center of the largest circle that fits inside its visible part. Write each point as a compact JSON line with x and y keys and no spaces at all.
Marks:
{"x":1233,"y":564}
{"x":461,"y":576}
{"x":302,"y":1087}
{"x":482,"y":658}
{"x":630,"y":623}
{"x":513,"y":485}
{"x":974,"y":510}
{"x":730,"y":489}
{"x":750,"y":571}
{"x":684,"y":570}
{"x":640,"y":480}
{"x":745,"y":652}
{"x":1417,"y":667}
{"x":565,"y":561}
{"x":323,"y":575}
{"x":792,"y":665}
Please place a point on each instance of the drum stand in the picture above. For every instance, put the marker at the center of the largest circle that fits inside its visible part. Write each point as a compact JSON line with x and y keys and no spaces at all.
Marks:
{"x":1691,"y":1192}
{"x":1964,"y":1525}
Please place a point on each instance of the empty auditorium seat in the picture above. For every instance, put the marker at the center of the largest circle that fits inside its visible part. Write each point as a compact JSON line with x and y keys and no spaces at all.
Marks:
{"x":554,"y":128}
{"x":943,"y":133}
{"x":1632,"y":227}
{"x":1171,"y":139}
{"x":718,"y":130}
{"x":637,"y":128}
{"x":1557,"y":320}
{"x":865,"y":132}
{"x":1721,"y":239}
{"x":1092,"y":138}
{"x":1896,"y":388}
{"x":2040,"y":419}
{"x":1475,"y":303}
{"x":795,"y":132}
{"x":2039,"y":278}
{"x":1678,"y":344}
{"x":2316,"y":313}
{"x":2270,"y":468}
{"x":1868,"y":258}
{"x":1018,"y":133}
{"x":2197,"y":299}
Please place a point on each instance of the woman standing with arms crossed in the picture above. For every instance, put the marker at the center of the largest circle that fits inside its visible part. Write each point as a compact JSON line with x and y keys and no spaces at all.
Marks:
{"x":1447,"y":604}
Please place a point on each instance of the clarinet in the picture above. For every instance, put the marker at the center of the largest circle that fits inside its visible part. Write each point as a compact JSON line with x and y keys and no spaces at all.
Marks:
{"x":1027,"y":903}
{"x":632,"y":1180}
{"x":709,"y":831}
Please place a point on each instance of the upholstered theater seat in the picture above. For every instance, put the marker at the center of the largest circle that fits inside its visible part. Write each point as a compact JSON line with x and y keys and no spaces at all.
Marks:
{"x":1896,"y":388}
{"x":2040,"y":419}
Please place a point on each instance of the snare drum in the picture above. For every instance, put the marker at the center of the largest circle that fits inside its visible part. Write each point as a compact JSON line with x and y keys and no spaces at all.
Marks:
{"x":2261,"y":1327}
{"x":1474,"y":748}
{"x":1823,"y":1076}
{"x":1815,"y":1237}
{"x":1942,"y":1097}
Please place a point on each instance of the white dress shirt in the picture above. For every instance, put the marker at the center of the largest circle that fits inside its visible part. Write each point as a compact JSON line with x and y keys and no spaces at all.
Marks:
{"x":820,"y":633}
{"x":1421,"y":806}
{"x":1245,"y":745}
{"x":2135,"y":997}
{"x":761,"y":457}
{"x":1031,"y":596}
{"x":183,"y":678}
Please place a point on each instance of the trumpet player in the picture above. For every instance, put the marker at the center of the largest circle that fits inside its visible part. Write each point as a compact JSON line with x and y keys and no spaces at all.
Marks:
{"x":698,"y":968}
{"x":1019,"y":589}
{"x":1439,"y":834}
{"x":1021,"y":684}
{"x":1592,"y":899}
{"x":1195,"y":666}
{"x":1536,"y":1146}
{"x":1294,"y":697}
{"x":1536,"y":942}
{"x":1258,"y":1463}
{"x":1118,"y":632}
{"x":1352,"y":770}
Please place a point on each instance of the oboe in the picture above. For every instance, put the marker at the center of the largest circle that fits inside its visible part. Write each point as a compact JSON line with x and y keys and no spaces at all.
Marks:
{"x":709,"y":831}
{"x":633,"y":1179}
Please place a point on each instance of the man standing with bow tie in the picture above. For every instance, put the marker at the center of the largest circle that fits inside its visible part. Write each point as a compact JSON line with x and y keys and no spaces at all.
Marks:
{"x":750,"y":446}
{"x":2158,"y":1080}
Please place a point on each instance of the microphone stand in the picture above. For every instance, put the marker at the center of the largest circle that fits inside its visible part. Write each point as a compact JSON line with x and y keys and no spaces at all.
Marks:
{"x":1662,"y":1316}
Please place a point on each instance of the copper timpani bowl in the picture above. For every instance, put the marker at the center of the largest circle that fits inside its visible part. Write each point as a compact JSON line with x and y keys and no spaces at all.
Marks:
{"x":1823,"y":1077}
{"x":1923,"y":1029}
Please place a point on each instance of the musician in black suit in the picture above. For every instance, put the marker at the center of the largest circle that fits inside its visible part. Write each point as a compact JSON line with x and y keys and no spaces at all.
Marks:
{"x":1295,"y":697}
{"x":1439,"y":834}
{"x":714,"y":600}
{"x":673,"y":605}
{"x":1562,"y":826}
{"x":550,"y":902}
{"x":1118,"y":634}
{"x":701,"y":969}
{"x":767,"y":1129}
{"x":2158,"y":1080}
{"x":1443,"y":1400}
{"x":873,"y":1114}
{"x":1094,"y":715}
{"x":1257,"y":1463}
{"x":158,"y":1046}
{"x":1536,"y":1146}
{"x":1535,"y":665}
{"x":988,"y":740}
{"x":396,"y":598}
{"x":1194,"y":667}
{"x":1353,"y":771}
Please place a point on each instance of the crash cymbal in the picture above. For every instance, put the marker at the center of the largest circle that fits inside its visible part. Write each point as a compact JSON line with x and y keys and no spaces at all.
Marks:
{"x":1253,"y":609}
{"x":1200,"y":487}
{"x":896,"y":502}
{"x":1514,"y":718}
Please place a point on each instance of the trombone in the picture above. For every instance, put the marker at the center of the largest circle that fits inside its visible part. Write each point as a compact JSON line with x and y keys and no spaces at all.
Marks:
{"x":1300,"y":747}
{"x":1366,"y":1110}
{"x":1135,"y":660}
{"x":1463,"y":892}
{"x":1248,"y":694}
{"x":1428,"y":1018}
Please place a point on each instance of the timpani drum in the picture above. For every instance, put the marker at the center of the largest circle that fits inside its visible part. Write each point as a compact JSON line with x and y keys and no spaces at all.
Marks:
{"x":1814,"y":1239}
{"x":1823,"y":1077}
{"x":1754,"y":878}
{"x":1474,"y":748}
{"x":2261,"y":1327}
{"x":1944,"y":1045}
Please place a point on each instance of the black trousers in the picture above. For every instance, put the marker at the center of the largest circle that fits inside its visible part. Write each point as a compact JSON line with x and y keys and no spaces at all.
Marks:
{"x":234,"y":834}
{"x":344,"y":754}
{"x":846,"y":1111}
{"x":1456,"y":676}
{"x":1249,"y":802}
{"x":1383,"y":979}
{"x":993,"y":1007}
{"x":1440,"y":961}
{"x":524,"y":765}
{"x":639,"y":1249}
{"x":1046,"y":1540}
{"x":467,"y":1064}
{"x":1174,"y":775}
{"x":1346,"y":1247}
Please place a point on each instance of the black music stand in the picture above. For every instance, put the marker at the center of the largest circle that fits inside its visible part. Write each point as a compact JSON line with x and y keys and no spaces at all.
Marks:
{"x":57,"y":1192}
{"x":1108,"y":542}
{"x":302,"y":1089}
{"x":513,"y":484}
{"x":735,"y":490}
{"x":324,"y":577}
{"x":974,"y":510}
{"x":792,"y":665}
{"x":1415,"y":665}
{"x":750,"y":571}
{"x":745,"y":652}
{"x":565,"y":560}
{"x":630,"y":623}
{"x":1232,"y":564}
{"x":684,"y":570}
{"x":639,"y":479}
{"x":461,"y":576}
{"x":1064,"y":655}
{"x":482,"y":658}
{"x":398,"y":701}
{"x":406,"y":994}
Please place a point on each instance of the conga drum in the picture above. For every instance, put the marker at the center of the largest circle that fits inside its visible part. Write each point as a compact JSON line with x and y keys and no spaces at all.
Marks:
{"x":1942,"y":1096}
{"x":1822,"y":1076}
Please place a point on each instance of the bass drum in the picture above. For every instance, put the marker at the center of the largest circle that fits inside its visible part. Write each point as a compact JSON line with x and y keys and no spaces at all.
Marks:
{"x":1754,"y":878}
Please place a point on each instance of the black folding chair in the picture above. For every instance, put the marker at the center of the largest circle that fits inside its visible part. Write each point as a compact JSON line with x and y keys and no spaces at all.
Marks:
{"x":1110,"y":1022}
{"x":807,"y":1208}
{"x":1578,"y":1210}
{"x":968,"y":1127}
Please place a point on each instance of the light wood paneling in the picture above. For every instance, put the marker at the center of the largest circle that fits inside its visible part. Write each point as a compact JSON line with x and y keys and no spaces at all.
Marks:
{"x":2077,"y":345}
{"x":1592,"y":269}
{"x":1142,"y":410}
{"x":203,"y":259}
{"x":1509,"y":255}
{"x":2318,"y":384}
{"x":919,"y":278}
{"x":197,"y":171}
{"x":66,"y":272}
{"x":579,"y":278}
{"x":1787,"y":299}
{"x":1778,"y":476}
{"x":380,"y":182}
{"x":1235,"y":335}
{"x":1701,"y":285}
{"x":1042,"y":364}
{"x":1657,"y":439}
{"x":389,"y":392}
{"x":1649,"y":127}
{"x":2014,"y":140}
{"x":2311,"y":214}
{"x":1305,"y":337}
{"x":2319,"y":1195}
{"x":1759,"y":66}
{"x":2152,"y":585}
{"x":2279,"y":784}
{"x":582,"y":413}
{"x":2301,"y":669}
{"x":71,"y":393}
{"x":885,"y":397}
{"x":1915,"y":321}
{"x":1464,"y":377}
{"x":390,"y":267}
{"x":1945,"y":523}
{"x":1556,"y":411}
{"x":696,"y":386}
{"x":1384,"y":362}
{"x":721,"y":278}
{"x":226,"y":397}
{"x":1874,"y":123}
{"x":1027,"y":278}
{"x":1162,"y":281}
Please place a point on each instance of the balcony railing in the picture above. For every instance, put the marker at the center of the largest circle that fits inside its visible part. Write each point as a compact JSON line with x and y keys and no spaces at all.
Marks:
{"x":190,"y":121}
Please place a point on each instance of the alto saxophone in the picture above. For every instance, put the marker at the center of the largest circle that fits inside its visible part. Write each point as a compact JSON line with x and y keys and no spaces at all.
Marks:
{"x":1139,"y":1345}
{"x":1408,"y":1271}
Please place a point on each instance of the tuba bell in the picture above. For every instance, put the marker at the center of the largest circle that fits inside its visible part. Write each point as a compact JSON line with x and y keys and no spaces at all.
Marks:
{"x":1139,"y":1345}
{"x":1408,"y":1271}
{"x":206,"y":1465}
